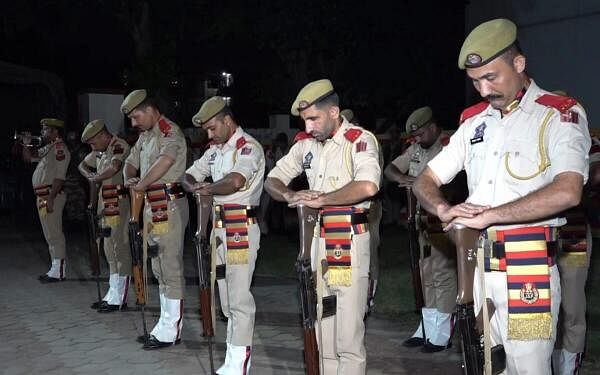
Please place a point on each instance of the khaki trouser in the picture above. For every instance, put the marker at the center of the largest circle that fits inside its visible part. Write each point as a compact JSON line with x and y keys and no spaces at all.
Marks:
{"x":438,"y":273}
{"x":116,"y":247}
{"x":168,"y":265}
{"x":343,"y":335}
{"x":52,"y":228}
{"x":237,"y":302}
{"x":571,"y":321}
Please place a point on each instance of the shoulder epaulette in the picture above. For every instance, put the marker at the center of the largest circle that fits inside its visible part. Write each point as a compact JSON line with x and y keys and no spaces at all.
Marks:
{"x":473,"y":111}
{"x":352,"y":134}
{"x":301,"y":136}
{"x":164,"y":126}
{"x":562,"y":103}
{"x":240,"y":142}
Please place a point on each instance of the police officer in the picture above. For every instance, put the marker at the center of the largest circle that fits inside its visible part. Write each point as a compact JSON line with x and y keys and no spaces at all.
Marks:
{"x":437,"y":264}
{"x":574,"y":264}
{"x":375,"y":214}
{"x":236,"y":163}
{"x":525,"y":154}
{"x":341,"y":163}
{"x":48,"y":179}
{"x":159,"y":155}
{"x":104,"y":165}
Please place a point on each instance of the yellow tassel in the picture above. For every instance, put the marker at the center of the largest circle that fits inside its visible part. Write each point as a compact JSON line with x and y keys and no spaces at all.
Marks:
{"x":160,"y":228}
{"x":340,"y":276}
{"x":536,"y":326}
{"x":573,"y":259}
{"x":111,"y":221}
{"x":237,"y":256}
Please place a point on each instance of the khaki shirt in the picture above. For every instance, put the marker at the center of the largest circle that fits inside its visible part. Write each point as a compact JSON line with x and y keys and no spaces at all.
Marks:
{"x":164,"y":138}
{"x":334,"y":163}
{"x":482,"y":144}
{"x":53,"y":163}
{"x":117,"y":149}
{"x":240,"y":154}
{"x":415,"y":158}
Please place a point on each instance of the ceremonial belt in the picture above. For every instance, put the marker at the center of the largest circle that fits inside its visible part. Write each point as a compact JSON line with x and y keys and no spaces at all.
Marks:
{"x":158,"y":196}
{"x":114,"y":191}
{"x":338,"y":224}
{"x":573,"y":239}
{"x":526,"y":263}
{"x":172,"y":190}
{"x":43,"y":190}
{"x":219,"y":221}
{"x":495,"y":251}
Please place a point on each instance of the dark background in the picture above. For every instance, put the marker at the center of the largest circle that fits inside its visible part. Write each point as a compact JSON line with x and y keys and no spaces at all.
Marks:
{"x":385,"y":58}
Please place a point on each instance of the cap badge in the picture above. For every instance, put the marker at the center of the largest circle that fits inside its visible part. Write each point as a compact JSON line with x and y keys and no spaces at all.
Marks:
{"x":414,"y":127}
{"x":473,"y":59}
{"x":302,"y":104}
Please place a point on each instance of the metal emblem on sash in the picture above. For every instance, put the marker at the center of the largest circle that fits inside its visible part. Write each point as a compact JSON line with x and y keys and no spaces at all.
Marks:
{"x":237,"y":237}
{"x":337,"y":252}
{"x":529,"y":293}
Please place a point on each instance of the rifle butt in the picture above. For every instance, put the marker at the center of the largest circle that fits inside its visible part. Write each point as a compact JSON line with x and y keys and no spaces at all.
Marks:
{"x":311,"y":352}
{"x":139,"y":285}
{"x":206,"y":312}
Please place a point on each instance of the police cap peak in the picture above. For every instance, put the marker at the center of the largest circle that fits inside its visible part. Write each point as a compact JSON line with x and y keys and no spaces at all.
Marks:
{"x":92,"y":129}
{"x":135,"y":98}
{"x":419,"y":118}
{"x":57,"y":123}
{"x":311,"y":94}
{"x":209,"y":109}
{"x":348,"y":114}
{"x":486,"y":42}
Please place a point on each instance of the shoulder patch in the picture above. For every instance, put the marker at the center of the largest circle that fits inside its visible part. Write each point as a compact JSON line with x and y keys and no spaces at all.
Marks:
{"x":473,"y":111}
{"x":352,"y":134}
{"x":240,"y":142}
{"x":361,"y":146}
{"x":301,"y":136}
{"x":562,"y":103}
{"x":247,"y":150}
{"x":59,"y":145}
{"x":445,"y":141}
{"x":165,"y":127}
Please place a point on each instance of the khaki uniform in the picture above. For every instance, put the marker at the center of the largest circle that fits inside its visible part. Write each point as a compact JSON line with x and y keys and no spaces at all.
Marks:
{"x":438,"y":261}
{"x":116,"y":247}
{"x":53,"y":162}
{"x":329,"y":166}
{"x":495,"y":150}
{"x":570,"y":338}
{"x":244,"y":155}
{"x":165,"y":138}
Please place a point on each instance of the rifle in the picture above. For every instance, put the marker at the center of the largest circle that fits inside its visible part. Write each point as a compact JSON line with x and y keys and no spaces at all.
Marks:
{"x":136,"y":244}
{"x":413,"y":245}
{"x":307,"y":218}
{"x":470,"y":327}
{"x":203,"y":258}
{"x":95,"y":234}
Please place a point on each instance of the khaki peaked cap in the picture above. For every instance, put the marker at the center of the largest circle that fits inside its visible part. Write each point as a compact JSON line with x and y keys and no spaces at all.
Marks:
{"x":135,"y":98}
{"x":92,"y":129}
{"x":419,"y":118}
{"x":57,"y":123}
{"x":209,"y":109}
{"x":311,"y":94}
{"x":486,"y":42}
